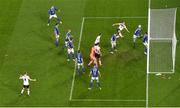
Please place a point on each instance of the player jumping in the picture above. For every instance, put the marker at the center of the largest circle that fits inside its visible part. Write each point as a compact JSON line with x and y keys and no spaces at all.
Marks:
{"x":26,"y":80}
{"x":97,"y":41}
{"x":137,"y":34}
{"x":57,"y":33}
{"x":121,"y":27}
{"x":145,"y":42}
{"x":79,"y":61}
{"x":68,"y":36}
{"x":70,"y":49}
{"x":113,"y":43}
{"x":92,"y":56}
{"x":98,"y":54}
{"x":94,"y":73}
{"x":52,"y":14}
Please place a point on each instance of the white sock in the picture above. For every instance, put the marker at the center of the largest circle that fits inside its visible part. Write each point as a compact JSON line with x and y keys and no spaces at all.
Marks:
{"x":28,"y":91}
{"x":22,"y":91}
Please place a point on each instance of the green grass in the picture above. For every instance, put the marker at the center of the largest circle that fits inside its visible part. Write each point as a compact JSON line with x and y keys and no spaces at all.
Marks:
{"x":27,"y":44}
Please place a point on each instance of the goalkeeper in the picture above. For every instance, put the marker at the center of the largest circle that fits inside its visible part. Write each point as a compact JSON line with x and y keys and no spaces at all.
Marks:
{"x":145,"y":42}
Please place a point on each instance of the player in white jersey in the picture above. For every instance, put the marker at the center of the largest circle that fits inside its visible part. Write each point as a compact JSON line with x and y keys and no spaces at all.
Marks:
{"x":98,"y":38}
{"x":98,"y":54}
{"x":26,"y":80}
{"x":121,"y":27}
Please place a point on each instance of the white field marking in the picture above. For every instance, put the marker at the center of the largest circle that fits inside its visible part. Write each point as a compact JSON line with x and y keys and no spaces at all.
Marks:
{"x":74,"y":74}
{"x":161,"y":39}
{"x":161,"y":72}
{"x":111,"y":100}
{"x":80,"y":36}
{"x":147,"y":71}
{"x":125,"y":17}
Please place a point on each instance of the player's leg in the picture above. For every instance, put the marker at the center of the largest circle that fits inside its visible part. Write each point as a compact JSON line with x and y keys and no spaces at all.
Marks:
{"x":91,"y":60}
{"x":78,"y":68}
{"x":91,"y":83}
{"x":72,"y":51}
{"x":115,"y":46}
{"x":134,"y":41}
{"x":69,"y":52}
{"x":83,"y":68}
{"x":57,"y":40}
{"x":112,"y":47}
{"x":28,"y":91}
{"x":100,"y":63}
{"x":22,"y":91}
{"x":98,"y":83}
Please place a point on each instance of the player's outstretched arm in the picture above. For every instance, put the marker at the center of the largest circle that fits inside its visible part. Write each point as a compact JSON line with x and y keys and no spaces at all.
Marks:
{"x":32,"y":79}
{"x":99,"y":74}
{"x":115,"y":24}
{"x":20,"y":77}
{"x":126,"y":29}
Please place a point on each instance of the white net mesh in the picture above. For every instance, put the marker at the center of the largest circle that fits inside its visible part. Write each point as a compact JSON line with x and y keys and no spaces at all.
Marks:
{"x":162,"y":47}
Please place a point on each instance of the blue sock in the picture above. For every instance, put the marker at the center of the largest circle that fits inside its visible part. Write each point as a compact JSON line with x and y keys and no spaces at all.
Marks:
{"x":78,"y":71}
{"x":83,"y":69}
{"x":48,"y":21}
{"x":68,"y":56}
{"x":73,"y":55}
{"x":57,"y":43}
{"x":134,"y":45}
{"x":90,"y":84}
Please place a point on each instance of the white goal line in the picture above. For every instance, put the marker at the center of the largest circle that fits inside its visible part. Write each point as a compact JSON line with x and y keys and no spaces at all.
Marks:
{"x":161,"y":39}
{"x":111,"y":100}
{"x":125,"y":17}
{"x":161,"y":72}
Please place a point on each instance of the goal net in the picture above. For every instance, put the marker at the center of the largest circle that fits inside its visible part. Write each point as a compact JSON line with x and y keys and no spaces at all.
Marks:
{"x":162,"y":40}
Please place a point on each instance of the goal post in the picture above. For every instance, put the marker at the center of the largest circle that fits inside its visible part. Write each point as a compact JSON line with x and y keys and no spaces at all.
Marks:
{"x":162,"y":40}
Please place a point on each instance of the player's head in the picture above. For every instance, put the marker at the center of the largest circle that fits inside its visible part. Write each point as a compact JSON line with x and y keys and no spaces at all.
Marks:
{"x":52,"y":7}
{"x":100,"y":34}
{"x":69,"y":30}
{"x":71,"y":39}
{"x":139,"y":26}
{"x":146,"y":33}
{"x":25,"y":73}
{"x":79,"y":51}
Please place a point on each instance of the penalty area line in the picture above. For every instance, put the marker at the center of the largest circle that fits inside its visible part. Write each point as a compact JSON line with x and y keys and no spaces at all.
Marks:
{"x":110,"y":100}
{"x":74,"y":74}
{"x":125,"y":17}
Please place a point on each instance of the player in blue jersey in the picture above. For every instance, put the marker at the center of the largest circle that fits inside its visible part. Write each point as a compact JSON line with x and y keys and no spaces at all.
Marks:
{"x":137,"y":34}
{"x":52,"y":14}
{"x":145,"y":42}
{"x":68,"y":36}
{"x":57,"y":33}
{"x":70,"y":49}
{"x":94,"y":73}
{"x":79,"y":61}
{"x":113,"y":43}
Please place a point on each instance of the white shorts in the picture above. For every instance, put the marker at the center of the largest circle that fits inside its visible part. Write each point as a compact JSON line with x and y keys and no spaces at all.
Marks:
{"x":57,"y":36}
{"x":80,"y":64}
{"x":145,"y":44}
{"x":70,"y":50}
{"x":113,"y":44}
{"x":52,"y":16}
{"x":95,"y":78}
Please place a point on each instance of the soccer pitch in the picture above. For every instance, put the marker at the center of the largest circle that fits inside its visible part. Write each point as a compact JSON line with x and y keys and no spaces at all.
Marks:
{"x":27,"y":44}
